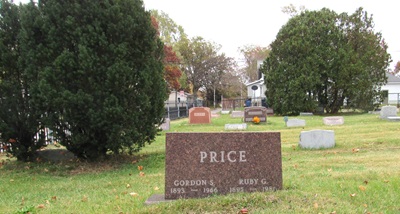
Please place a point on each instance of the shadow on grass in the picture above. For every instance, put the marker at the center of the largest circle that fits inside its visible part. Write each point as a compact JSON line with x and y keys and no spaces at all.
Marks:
{"x":61,"y":162}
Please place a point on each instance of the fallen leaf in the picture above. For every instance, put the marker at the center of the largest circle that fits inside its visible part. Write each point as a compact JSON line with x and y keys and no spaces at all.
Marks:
{"x":362,"y":188}
{"x":295,"y":166}
{"x":141,"y":174}
{"x":353,"y":195}
{"x":41,"y":206}
{"x":140,"y":168}
{"x":47,"y":202}
{"x":134,"y":161}
{"x":46,"y":170}
{"x":11,"y":180}
{"x":354,"y":150}
{"x":365,"y":205}
{"x":334,"y":212}
{"x":386,"y":181}
{"x":134,"y":194}
{"x":26,"y":167}
{"x":116,"y":197}
{"x":156,"y":188}
{"x":330,"y":170}
{"x":54,"y":198}
{"x":294,"y":147}
{"x":316,"y":205}
{"x":128,"y":185}
{"x":365,"y":182}
{"x":84,"y":198}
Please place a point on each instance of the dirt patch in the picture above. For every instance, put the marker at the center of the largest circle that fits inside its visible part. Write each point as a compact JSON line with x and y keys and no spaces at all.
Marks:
{"x":56,"y":155}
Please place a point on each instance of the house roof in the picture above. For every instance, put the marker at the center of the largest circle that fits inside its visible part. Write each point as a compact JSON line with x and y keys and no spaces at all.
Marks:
{"x":392,"y":78}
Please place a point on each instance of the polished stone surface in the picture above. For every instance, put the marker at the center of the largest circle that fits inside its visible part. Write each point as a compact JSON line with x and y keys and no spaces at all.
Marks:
{"x":208,"y":163}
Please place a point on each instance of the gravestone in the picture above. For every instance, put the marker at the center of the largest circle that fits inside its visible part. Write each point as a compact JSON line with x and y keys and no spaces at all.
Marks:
{"x":388,"y":111}
{"x":270,"y":112}
{"x":317,"y":139}
{"x":332,"y":121}
{"x":295,"y":123}
{"x":306,"y":114}
{"x":204,"y":164}
{"x":237,"y":114}
{"x":395,"y":119}
{"x":165,"y":126}
{"x":199,"y":115}
{"x":225,"y":111}
{"x":241,"y":126}
{"x":251,"y":112}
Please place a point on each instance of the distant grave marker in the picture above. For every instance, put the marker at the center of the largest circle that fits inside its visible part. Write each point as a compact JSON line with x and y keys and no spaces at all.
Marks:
{"x":388,"y":111}
{"x":333,"y":121}
{"x":241,"y":126}
{"x":317,"y":139}
{"x":237,"y":114}
{"x":199,"y":115}
{"x":251,"y":112}
{"x":295,"y":123}
{"x":165,"y":126}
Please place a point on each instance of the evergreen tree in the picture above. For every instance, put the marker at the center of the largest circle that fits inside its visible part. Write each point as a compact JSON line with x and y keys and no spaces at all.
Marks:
{"x":102,"y":88}
{"x":19,"y":119}
{"x":320,"y":58}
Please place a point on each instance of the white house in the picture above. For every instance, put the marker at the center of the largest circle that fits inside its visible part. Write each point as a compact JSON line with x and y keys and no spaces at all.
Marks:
{"x":393,"y":89}
{"x":179,"y":98}
{"x":256,"y":89}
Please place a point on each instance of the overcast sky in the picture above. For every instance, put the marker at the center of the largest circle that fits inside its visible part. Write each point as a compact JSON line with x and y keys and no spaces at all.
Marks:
{"x":235,"y":23}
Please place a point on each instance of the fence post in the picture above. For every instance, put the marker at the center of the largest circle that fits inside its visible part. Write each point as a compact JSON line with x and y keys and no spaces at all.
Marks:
{"x":187,"y":109}
{"x":179,"y":112}
{"x":168,"y":110}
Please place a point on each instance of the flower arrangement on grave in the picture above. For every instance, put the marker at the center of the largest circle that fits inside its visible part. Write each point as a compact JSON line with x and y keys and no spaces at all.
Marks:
{"x":256,"y":120}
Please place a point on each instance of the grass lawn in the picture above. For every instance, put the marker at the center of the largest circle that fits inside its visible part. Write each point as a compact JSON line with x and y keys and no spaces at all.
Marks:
{"x":360,"y":175}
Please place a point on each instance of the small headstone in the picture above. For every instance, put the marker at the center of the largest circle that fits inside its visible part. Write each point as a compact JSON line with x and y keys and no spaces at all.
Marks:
{"x":317,"y":139}
{"x":165,"y":126}
{"x":332,"y":121}
{"x":204,"y":164}
{"x":396,"y":119}
{"x":320,"y":110}
{"x":241,"y":126}
{"x":225,"y":111}
{"x":199,"y":115}
{"x":306,"y":114}
{"x":270,"y":112}
{"x":295,"y":123}
{"x":388,"y":111}
{"x":237,"y":114}
{"x":251,"y":112}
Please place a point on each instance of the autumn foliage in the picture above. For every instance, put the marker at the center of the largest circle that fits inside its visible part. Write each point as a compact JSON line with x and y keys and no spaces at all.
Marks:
{"x":172,"y":72}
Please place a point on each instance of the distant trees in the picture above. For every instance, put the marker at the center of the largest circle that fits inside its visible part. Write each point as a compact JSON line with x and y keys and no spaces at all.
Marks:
{"x":252,"y":54}
{"x":202,"y":63}
{"x":396,"y":68}
{"x":96,"y":70}
{"x":321,"y":58}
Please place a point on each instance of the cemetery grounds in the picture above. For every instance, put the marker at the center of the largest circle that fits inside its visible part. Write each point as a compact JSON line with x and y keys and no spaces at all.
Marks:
{"x":361,"y":174}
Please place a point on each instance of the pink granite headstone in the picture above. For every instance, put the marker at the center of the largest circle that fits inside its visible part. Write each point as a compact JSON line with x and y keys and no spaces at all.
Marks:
{"x":199,"y":115}
{"x":204,"y":164}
